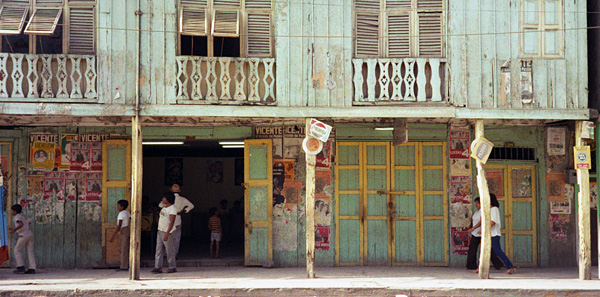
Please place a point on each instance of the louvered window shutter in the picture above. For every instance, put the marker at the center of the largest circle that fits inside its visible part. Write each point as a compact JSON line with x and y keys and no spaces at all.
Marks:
{"x":226,"y":3}
{"x":81,"y":30}
{"x":202,"y":3}
{"x":430,"y":35}
{"x":43,"y":21}
{"x":192,"y":21}
{"x":430,"y":4}
{"x":12,"y":19}
{"x":226,"y":23}
{"x":367,"y":35}
{"x":259,"y":35}
{"x":258,"y":4}
{"x":398,"y":4}
{"x":399,"y":35}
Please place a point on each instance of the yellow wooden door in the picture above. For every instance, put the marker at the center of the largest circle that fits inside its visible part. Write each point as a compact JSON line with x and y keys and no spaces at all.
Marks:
{"x":116,"y":185}
{"x":515,"y":188}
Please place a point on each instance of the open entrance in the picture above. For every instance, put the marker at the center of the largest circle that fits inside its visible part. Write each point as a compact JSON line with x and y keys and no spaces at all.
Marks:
{"x":211,"y":175}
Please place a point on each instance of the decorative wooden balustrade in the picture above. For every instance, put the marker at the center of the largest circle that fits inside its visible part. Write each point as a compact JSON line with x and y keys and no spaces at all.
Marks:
{"x":47,"y":76}
{"x":219,"y":80}
{"x":398,"y":80}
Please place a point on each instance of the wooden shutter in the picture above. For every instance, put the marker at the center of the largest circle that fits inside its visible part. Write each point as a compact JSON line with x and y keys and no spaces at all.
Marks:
{"x":226,"y":23}
{"x":43,"y":21}
{"x":430,"y":35}
{"x":49,"y":2}
{"x":192,"y":21}
{"x":430,"y":4}
{"x":399,"y":35}
{"x":398,"y":4}
{"x":259,"y":35}
{"x":367,"y":35}
{"x":81,"y":30}
{"x":259,"y":4}
{"x":193,"y":3}
{"x":26,"y":2}
{"x":226,"y":3}
{"x":367,"y":4}
{"x":12,"y":19}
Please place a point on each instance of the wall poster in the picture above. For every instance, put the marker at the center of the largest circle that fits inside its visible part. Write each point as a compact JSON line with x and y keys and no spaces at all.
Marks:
{"x":459,"y":144}
{"x":322,"y":238}
{"x":54,"y":185}
{"x":460,"y":240}
{"x":556,"y":141}
{"x":556,"y":187}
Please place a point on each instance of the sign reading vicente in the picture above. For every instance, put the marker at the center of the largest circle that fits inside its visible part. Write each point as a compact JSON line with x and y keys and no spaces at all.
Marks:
{"x":319,"y":130}
{"x":582,"y":157}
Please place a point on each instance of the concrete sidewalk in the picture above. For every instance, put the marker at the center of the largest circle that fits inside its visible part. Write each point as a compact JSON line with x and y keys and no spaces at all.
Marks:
{"x":330,"y":281}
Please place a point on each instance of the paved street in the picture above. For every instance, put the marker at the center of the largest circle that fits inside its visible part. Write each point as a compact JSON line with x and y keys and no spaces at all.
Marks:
{"x":330,"y":281}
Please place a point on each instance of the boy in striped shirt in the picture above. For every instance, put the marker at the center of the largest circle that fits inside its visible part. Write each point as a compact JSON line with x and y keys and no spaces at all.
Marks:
{"x":214,"y":224}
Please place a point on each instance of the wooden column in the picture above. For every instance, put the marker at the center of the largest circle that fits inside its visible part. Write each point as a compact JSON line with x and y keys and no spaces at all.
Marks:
{"x":310,"y":212}
{"x":136,"y":199}
{"x":583,"y":179}
{"x":484,"y":198}
{"x":596,"y":139}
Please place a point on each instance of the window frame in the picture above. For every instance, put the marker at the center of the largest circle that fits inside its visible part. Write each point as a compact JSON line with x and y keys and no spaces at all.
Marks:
{"x":242,"y":25}
{"x":413,"y":13}
{"x":65,"y":7}
{"x":542,"y":28}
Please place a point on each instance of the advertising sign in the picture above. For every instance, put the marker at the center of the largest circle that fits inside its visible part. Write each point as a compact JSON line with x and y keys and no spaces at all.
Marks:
{"x":319,"y":130}
{"x":582,"y":157}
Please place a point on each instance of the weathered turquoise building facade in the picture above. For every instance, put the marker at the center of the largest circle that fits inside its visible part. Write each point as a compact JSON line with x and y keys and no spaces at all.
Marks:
{"x":207,"y":70}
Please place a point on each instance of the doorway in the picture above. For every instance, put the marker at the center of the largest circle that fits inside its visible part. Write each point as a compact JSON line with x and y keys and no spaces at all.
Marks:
{"x":394,"y":198}
{"x":209,"y":175}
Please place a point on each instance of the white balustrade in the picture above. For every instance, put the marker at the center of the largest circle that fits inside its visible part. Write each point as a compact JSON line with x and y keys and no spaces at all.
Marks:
{"x":398,"y":80}
{"x":219,"y":80}
{"x":47,"y":76}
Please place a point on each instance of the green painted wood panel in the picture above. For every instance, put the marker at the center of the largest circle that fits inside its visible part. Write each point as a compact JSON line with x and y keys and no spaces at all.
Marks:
{"x":349,"y":179}
{"x":433,"y":155}
{"x":258,"y":161}
{"x":258,"y":204}
{"x":349,"y":241}
{"x":404,"y":155}
{"x":376,"y":155}
{"x":405,"y":205}
{"x":376,"y":179}
{"x":433,"y":179}
{"x":89,"y":233}
{"x":349,"y":204}
{"x":117,"y":156}
{"x":502,"y":212}
{"x":404,"y":180}
{"x":112,"y":196}
{"x":258,"y":249}
{"x":433,"y":236}
{"x":376,"y":205}
{"x":433,"y":205}
{"x":70,"y":237}
{"x":377,"y":241}
{"x":522,"y":216}
{"x":405,"y":235}
{"x":348,"y":154}
{"x":522,"y":249}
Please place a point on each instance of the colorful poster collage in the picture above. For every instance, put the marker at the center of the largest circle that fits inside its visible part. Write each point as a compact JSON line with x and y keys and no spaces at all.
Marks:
{"x":67,"y":165}
{"x":460,"y":189}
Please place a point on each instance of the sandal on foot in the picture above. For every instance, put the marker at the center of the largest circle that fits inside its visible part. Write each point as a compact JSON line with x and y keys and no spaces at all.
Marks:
{"x":156,"y":270}
{"x":510,"y":271}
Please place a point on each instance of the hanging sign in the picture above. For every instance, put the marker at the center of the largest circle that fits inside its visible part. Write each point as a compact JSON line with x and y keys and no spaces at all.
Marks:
{"x":481,"y":149}
{"x":319,"y":130}
{"x":582,"y":157}
{"x":587,"y":130}
{"x":312,"y":146}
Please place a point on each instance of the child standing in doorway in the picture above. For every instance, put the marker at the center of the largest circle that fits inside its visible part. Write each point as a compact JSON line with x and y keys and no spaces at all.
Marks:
{"x":123,"y":227}
{"x":214,"y":224}
{"x":25,"y":240}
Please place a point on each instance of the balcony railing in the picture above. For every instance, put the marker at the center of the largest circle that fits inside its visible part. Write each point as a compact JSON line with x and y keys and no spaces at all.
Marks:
{"x":398,"y":80}
{"x":218,"y":80}
{"x":47,"y":76}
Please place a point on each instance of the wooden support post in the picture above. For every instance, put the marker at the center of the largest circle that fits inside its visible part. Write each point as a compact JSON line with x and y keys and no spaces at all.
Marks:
{"x":310,"y":212}
{"x":484,"y":198}
{"x":596,"y":139}
{"x":583,"y":179}
{"x":136,"y":199}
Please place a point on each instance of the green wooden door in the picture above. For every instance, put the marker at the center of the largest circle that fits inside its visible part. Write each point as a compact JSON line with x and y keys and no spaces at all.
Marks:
{"x":116,"y":185}
{"x":395,"y":199}
{"x":515,"y":188}
{"x":259,"y":201}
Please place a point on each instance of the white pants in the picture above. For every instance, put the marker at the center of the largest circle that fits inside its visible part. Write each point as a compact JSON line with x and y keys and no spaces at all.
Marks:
{"x":25,"y":240}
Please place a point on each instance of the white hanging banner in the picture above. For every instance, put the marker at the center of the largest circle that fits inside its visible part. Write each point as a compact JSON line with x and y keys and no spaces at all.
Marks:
{"x":319,"y":130}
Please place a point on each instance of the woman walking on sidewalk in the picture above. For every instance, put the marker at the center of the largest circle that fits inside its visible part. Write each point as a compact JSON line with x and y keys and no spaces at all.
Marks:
{"x":496,"y":233}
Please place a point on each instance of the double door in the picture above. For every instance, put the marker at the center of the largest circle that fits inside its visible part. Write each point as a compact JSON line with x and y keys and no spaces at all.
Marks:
{"x":391,"y":204}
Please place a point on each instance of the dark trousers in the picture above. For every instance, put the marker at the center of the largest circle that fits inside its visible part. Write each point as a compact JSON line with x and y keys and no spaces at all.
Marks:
{"x":472,"y":255}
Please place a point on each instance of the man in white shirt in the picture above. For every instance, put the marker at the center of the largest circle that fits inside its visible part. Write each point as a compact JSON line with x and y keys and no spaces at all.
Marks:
{"x":183,"y":205}
{"x":164,"y":240}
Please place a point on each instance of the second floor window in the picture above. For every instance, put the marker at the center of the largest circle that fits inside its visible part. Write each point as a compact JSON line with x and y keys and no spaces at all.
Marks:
{"x":542,"y":28}
{"x":225,"y":28}
{"x":47,"y":26}
{"x":399,"y":28}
